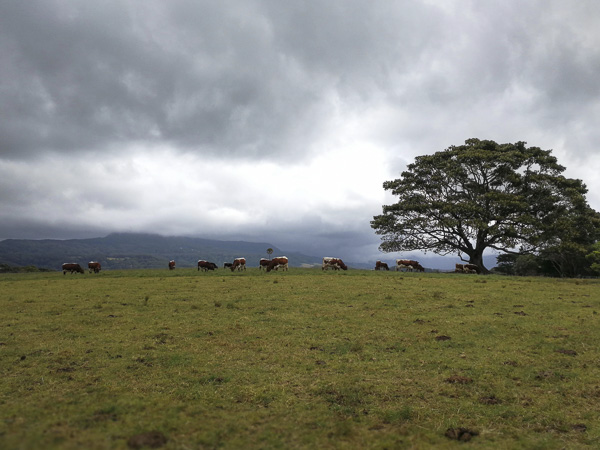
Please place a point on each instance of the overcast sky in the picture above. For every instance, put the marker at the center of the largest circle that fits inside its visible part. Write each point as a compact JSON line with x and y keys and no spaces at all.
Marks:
{"x":274,"y":121}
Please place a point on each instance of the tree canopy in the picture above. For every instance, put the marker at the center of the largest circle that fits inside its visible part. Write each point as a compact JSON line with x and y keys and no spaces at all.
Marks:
{"x":484,"y":195}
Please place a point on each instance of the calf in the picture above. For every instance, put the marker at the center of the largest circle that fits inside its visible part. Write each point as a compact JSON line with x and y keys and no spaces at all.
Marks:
{"x":263,"y":263}
{"x":381,"y":266}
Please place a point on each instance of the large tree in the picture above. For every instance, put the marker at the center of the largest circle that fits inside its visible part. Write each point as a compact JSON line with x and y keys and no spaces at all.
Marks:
{"x":483,"y":195}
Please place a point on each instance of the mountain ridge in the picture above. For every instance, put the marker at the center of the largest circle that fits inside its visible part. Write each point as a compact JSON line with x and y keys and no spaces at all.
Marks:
{"x":138,"y":251}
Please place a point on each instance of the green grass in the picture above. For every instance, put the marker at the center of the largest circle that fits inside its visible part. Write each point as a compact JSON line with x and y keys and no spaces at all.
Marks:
{"x":304,"y":359}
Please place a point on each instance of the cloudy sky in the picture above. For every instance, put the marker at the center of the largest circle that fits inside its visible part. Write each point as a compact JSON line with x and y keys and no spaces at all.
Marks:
{"x":274,"y":121}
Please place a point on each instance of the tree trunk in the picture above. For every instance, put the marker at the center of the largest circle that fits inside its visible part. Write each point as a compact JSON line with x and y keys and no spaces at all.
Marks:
{"x":477,"y":258}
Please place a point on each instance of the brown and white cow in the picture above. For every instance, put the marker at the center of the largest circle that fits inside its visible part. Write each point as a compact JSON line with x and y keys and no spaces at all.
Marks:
{"x":72,"y":267}
{"x":95,"y":266}
{"x":263,"y":263}
{"x":280,"y":262}
{"x":239,"y":264}
{"x":381,"y":266}
{"x":472,"y":268}
{"x":333,"y":263}
{"x":410,"y":265}
{"x":171,"y":265}
{"x":206,"y":265}
{"x":467,"y":268}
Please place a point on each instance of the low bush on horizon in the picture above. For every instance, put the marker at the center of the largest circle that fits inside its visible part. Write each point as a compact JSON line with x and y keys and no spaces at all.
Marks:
{"x":303,"y":359}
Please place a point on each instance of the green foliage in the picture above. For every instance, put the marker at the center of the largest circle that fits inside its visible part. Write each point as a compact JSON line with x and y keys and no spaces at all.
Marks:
{"x":593,"y":257}
{"x":484,"y":195}
{"x":360,"y":359}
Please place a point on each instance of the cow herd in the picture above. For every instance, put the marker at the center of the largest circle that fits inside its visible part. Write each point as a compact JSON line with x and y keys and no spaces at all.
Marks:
{"x":281,"y":262}
{"x":93,"y":266}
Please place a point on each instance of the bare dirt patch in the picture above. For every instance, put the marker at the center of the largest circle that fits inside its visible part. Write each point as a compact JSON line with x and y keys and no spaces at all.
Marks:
{"x":152,"y":439}
{"x":457,"y":379}
{"x":460,"y":434}
{"x":490,"y":400}
{"x":567,"y":352}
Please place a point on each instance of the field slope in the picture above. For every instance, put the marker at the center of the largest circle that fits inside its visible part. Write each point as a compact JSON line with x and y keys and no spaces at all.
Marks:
{"x":304,"y":359}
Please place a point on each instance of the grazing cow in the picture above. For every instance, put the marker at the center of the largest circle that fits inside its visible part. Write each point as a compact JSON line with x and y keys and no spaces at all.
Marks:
{"x":171,"y":265}
{"x":72,"y":267}
{"x":239,"y":264}
{"x":334,"y":263}
{"x":206,"y":265}
{"x":227,"y":265}
{"x":95,"y":266}
{"x":409,"y":264}
{"x":263,"y":263}
{"x":381,"y":266}
{"x":276,"y":263}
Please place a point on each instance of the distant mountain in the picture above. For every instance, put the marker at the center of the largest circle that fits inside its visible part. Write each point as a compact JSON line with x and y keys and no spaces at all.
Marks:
{"x":138,"y":251}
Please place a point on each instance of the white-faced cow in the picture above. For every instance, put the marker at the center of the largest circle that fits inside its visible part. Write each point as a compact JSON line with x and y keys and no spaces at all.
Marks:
{"x":409,"y":265}
{"x":72,"y":267}
{"x":333,"y":263}
{"x":206,"y":265}
{"x":171,"y":265}
{"x":280,"y":262}
{"x":381,"y":266}
{"x":239,"y":264}
{"x":95,"y":266}
{"x":263,"y":263}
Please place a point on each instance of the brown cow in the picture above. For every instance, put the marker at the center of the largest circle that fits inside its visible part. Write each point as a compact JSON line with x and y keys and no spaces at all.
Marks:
{"x":72,"y":267}
{"x":333,"y":263}
{"x":206,"y":265}
{"x":263,"y":263}
{"x":95,"y":266}
{"x":171,"y":265}
{"x":459,"y":268}
{"x":276,"y":263}
{"x":239,"y":264}
{"x":409,"y":264}
{"x":381,"y":266}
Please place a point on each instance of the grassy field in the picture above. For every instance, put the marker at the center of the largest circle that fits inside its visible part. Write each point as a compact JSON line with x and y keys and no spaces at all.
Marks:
{"x":304,"y":359}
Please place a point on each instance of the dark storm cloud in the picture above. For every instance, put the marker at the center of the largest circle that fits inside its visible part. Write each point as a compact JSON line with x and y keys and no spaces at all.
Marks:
{"x":253,"y":78}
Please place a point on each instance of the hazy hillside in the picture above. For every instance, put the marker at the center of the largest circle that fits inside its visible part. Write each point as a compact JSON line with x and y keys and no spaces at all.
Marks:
{"x":128,"y":250}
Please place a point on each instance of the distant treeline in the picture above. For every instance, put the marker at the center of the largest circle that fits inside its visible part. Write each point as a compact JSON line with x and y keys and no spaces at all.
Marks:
{"x":5,"y":268}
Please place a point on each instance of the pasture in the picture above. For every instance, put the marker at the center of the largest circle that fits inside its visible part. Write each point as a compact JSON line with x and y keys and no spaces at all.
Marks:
{"x":304,"y":359}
